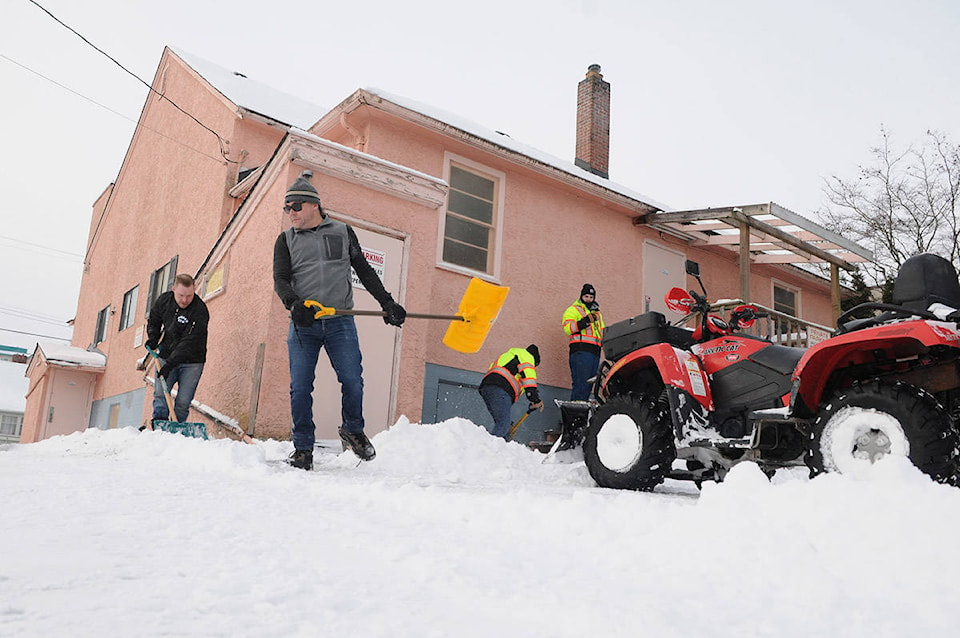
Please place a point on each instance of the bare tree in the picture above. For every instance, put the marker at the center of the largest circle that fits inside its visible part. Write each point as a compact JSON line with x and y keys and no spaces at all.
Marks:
{"x":903,"y":203}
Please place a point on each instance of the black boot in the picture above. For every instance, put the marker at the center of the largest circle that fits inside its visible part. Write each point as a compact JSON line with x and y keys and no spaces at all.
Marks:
{"x":358,"y":443}
{"x":301,"y":459}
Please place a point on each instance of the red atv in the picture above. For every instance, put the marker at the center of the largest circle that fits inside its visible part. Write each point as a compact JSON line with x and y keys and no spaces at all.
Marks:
{"x":712,"y":396}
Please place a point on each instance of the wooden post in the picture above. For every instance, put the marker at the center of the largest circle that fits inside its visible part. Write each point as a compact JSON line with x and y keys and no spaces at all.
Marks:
{"x":744,"y":261}
{"x":255,"y":391}
{"x":835,"y":291}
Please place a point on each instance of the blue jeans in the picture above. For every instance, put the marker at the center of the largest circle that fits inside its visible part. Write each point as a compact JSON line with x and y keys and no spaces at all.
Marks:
{"x":499,"y":403}
{"x":186,"y":376}
{"x":583,"y":366}
{"x":339,"y":336}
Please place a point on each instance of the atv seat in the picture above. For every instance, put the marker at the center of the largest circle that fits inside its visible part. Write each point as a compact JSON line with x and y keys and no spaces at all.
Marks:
{"x":782,"y":359}
{"x":924,"y":280}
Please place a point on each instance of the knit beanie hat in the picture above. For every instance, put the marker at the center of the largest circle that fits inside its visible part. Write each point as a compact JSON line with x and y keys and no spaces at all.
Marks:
{"x":535,"y":351}
{"x":588,"y":290}
{"x":302,"y":190}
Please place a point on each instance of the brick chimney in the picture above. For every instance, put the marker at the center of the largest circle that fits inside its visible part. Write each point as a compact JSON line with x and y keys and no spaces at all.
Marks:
{"x":593,"y":123}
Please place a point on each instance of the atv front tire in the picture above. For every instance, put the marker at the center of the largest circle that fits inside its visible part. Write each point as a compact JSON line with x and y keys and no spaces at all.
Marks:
{"x":867,"y":421}
{"x":629,"y":444}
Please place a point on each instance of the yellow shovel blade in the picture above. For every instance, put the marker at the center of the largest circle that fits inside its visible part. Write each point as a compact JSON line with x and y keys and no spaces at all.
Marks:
{"x":479,"y":308}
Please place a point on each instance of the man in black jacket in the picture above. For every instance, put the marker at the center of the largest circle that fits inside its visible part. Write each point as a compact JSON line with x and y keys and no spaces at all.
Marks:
{"x":312,"y":261}
{"x":177,"y":331}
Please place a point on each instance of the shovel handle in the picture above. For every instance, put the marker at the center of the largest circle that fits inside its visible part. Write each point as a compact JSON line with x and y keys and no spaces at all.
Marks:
{"x":163,"y":383}
{"x":513,"y":429}
{"x":324,"y":311}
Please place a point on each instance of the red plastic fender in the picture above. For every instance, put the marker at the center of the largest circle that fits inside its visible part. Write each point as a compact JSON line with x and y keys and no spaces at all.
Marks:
{"x":901,"y":339}
{"x":677,"y":367}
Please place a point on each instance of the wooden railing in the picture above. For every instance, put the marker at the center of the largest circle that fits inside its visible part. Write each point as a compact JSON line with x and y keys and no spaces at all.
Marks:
{"x":779,"y":327}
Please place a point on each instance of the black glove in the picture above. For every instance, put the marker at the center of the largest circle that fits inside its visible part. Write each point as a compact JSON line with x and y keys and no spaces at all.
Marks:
{"x":301,"y":315}
{"x":165,"y":369}
{"x":395,"y":314}
{"x":152,"y":344}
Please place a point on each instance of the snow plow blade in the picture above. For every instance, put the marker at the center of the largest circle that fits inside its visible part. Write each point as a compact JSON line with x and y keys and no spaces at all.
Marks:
{"x":574,"y":417}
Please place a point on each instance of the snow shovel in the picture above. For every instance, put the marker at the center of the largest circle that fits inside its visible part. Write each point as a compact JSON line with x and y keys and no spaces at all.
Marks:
{"x":468,"y":328}
{"x":516,"y":426}
{"x":195,"y":430}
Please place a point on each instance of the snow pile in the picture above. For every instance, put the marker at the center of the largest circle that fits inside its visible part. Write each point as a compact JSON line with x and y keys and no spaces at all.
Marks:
{"x":451,"y":532}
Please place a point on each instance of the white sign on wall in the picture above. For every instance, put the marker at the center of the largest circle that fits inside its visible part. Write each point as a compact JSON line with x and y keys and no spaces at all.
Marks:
{"x":377,"y":259}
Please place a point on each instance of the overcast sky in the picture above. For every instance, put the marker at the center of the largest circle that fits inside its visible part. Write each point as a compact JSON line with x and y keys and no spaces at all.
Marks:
{"x":714,"y":103}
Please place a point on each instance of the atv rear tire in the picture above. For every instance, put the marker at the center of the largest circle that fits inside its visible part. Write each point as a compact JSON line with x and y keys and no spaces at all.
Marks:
{"x":629,"y":444}
{"x":903,"y":420}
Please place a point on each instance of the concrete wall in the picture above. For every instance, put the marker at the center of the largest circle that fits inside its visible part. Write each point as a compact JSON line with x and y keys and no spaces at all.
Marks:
{"x":130,"y":409}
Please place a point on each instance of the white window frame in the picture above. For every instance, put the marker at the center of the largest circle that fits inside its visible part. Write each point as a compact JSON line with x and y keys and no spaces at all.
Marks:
{"x":774,"y":284}
{"x":128,"y":310}
{"x":16,"y":419}
{"x":499,"y":180}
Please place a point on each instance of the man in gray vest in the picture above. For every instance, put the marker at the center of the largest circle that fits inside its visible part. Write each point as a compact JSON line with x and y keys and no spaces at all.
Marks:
{"x":312,"y":261}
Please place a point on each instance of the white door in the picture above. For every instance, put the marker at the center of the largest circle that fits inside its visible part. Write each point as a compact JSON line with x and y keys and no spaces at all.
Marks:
{"x":662,"y":270}
{"x":378,"y":344}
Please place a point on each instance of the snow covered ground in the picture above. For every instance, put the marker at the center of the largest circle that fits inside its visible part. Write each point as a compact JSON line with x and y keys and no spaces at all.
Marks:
{"x":451,"y":532}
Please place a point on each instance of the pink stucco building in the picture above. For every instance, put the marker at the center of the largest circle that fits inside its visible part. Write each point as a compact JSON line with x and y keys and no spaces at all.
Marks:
{"x":435,"y":201}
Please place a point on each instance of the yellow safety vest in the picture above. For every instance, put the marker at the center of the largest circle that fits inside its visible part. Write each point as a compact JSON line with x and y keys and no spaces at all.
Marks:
{"x":517,"y":367}
{"x":592,"y":334}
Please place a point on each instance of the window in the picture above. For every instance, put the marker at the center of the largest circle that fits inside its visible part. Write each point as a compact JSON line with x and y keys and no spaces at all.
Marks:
{"x":161,"y":280}
{"x":785,"y":300}
{"x":128,"y":312}
{"x":10,"y":424}
{"x":101,"y":332}
{"x":214,"y":281}
{"x":470,"y":222}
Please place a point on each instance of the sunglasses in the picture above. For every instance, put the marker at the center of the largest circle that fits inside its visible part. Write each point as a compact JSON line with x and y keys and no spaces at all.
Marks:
{"x":297,"y":206}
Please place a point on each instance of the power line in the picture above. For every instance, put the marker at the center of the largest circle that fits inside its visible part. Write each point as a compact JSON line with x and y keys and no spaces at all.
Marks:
{"x":107,"y":108}
{"x":52,"y":322}
{"x":56,"y":250}
{"x":220,"y":139}
{"x":35,"y":334}
{"x":67,"y":88}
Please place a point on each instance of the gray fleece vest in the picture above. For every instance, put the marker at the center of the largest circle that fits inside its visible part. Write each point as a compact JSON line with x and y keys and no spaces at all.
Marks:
{"x":320,"y":264}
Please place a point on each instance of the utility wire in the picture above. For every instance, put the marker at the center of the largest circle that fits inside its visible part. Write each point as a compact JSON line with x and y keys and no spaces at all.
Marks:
{"x":220,"y":139}
{"x":56,"y":250}
{"x":52,"y":322}
{"x":66,"y":88}
{"x":35,"y":334}
{"x":92,"y":101}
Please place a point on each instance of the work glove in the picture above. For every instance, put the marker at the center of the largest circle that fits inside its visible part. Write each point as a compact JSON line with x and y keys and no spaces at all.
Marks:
{"x":152,"y":344}
{"x":536,"y":406}
{"x":301,"y":315}
{"x":395,"y":314}
{"x":165,"y":369}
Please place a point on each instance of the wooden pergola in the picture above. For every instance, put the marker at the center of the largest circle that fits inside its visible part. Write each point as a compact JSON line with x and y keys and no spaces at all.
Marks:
{"x":763,"y":234}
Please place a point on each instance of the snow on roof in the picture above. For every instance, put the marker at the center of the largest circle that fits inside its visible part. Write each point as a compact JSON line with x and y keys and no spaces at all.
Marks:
{"x":13,"y":387}
{"x":293,"y":111}
{"x":504,"y":140}
{"x":72,"y":356}
{"x":254,"y":96}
